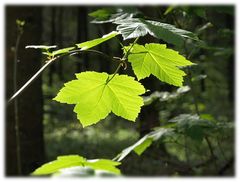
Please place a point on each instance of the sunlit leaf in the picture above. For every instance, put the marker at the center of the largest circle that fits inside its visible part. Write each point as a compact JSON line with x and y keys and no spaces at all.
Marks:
{"x":62,"y":51}
{"x":169,"y":9}
{"x":158,"y":60}
{"x":95,"y":98}
{"x":70,"y":161}
{"x":104,"y":164}
{"x":92,"y":43}
{"x":60,"y":163}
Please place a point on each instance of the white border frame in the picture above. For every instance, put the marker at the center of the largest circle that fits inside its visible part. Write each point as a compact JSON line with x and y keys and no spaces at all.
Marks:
{"x":3,"y":3}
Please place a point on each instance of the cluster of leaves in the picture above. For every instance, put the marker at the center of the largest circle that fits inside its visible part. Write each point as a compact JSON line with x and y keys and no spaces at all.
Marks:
{"x":107,"y":92}
{"x":193,"y":126}
{"x":131,"y":24}
{"x":95,"y":95}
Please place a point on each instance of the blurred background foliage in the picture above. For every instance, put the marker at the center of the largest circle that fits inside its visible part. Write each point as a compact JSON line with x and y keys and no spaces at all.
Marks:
{"x":209,"y":91}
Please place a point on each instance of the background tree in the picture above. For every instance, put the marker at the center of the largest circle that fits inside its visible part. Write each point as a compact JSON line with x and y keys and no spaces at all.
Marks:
{"x":29,"y":111}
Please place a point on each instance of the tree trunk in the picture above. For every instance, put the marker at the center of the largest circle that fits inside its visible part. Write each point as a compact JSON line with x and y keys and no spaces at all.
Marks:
{"x":82,"y":36}
{"x":30,"y":103}
{"x":52,"y":69}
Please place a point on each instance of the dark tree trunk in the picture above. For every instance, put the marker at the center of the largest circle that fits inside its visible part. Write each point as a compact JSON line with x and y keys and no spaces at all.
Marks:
{"x":52,"y":69}
{"x":82,"y":36}
{"x":30,"y":106}
{"x":231,"y":63}
{"x":60,"y":41}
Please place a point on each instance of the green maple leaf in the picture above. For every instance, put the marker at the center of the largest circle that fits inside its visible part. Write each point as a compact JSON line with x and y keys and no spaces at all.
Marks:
{"x":156,"y":59}
{"x":136,"y":27}
{"x":95,"y":98}
{"x":61,"y":163}
{"x":67,"y":161}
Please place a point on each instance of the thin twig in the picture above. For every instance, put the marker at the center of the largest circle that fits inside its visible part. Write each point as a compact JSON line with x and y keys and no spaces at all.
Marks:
{"x":79,"y":51}
{"x":116,"y":71}
{"x":211,"y":151}
{"x":122,"y":61}
{"x":48,"y":62}
{"x":31,"y":80}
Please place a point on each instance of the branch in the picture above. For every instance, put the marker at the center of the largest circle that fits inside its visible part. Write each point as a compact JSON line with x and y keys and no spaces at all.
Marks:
{"x":229,"y":164}
{"x":122,"y":61}
{"x":48,"y":62}
{"x":36,"y":75}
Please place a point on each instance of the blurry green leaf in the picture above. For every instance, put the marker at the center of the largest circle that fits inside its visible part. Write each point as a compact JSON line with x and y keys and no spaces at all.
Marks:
{"x":225,"y":125}
{"x":92,"y":43}
{"x":140,"y":142}
{"x":107,"y":15}
{"x":20,"y":23}
{"x":165,"y":96}
{"x":69,"y":161}
{"x":208,"y":117}
{"x":104,"y":164}
{"x":200,"y":11}
{"x":102,"y":14}
{"x":44,"y":48}
{"x":169,"y":9}
{"x":198,"y":77}
{"x":141,"y":145}
{"x":82,"y":46}
{"x":139,"y":149}
{"x":62,"y":51}
{"x":192,"y":125}
{"x":95,"y":97}
{"x":156,"y":59}
{"x":60,"y":163}
{"x":136,"y":27}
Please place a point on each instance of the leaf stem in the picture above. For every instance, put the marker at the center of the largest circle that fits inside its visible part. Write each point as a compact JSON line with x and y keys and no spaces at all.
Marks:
{"x":116,"y":71}
{"x":128,"y":51}
{"x":122,"y":61}
{"x":74,"y":52}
